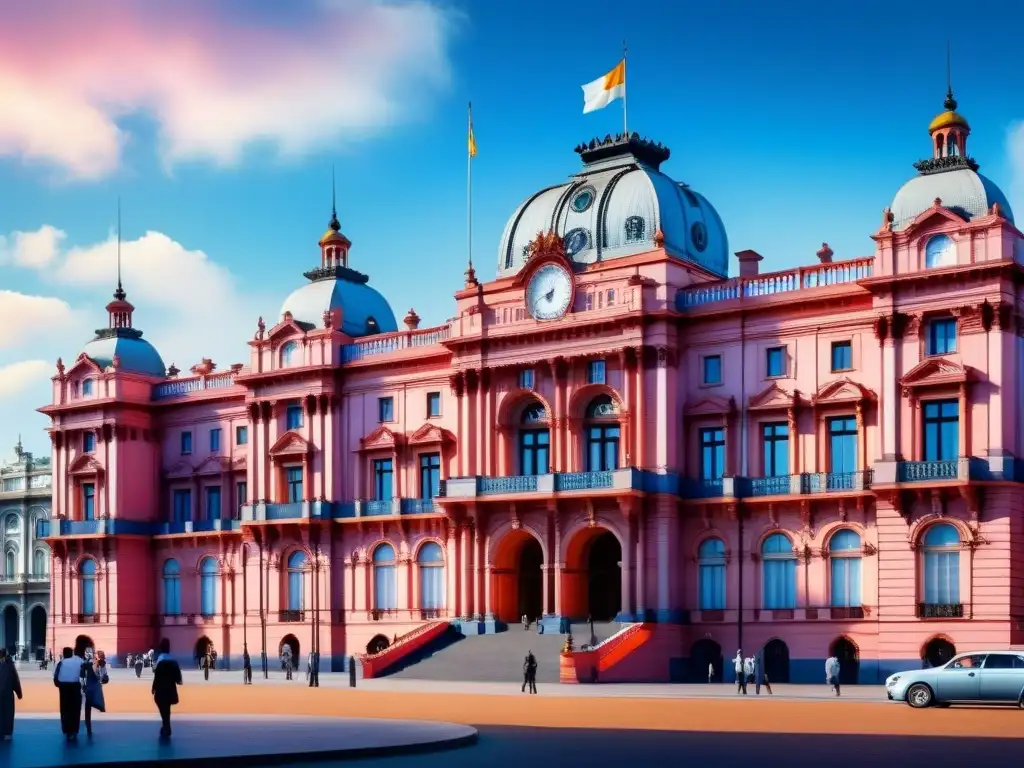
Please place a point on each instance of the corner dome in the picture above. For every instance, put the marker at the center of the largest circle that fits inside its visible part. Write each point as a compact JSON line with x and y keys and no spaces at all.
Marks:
{"x":363,"y":310}
{"x":134,"y":354}
{"x":962,"y":190}
{"x":946,"y":119}
{"x":616,"y":207}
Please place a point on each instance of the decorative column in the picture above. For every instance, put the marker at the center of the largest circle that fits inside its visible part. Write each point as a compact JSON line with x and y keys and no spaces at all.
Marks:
{"x":915,"y":406}
{"x":477,"y":573}
{"x":889,"y":330}
{"x":964,"y":425}
{"x":661,"y":409}
{"x":667,"y":539}
{"x":227,"y":493}
{"x":396,"y":470}
{"x":268,"y":414}
{"x":794,"y":439}
{"x":452,"y":572}
{"x":402,"y":577}
{"x":106,"y":435}
{"x":477,"y":428}
{"x":486,"y":556}
{"x":557,"y":565}
{"x":196,"y":513}
{"x":627,"y":407}
{"x":307,"y":477}
{"x":626,"y":567}
{"x":641,"y":565}
{"x":466,"y":570}
{"x":862,"y":439}
{"x":457,"y":382}
{"x":640,"y":452}
{"x":252,"y":451}
{"x":562,"y":370}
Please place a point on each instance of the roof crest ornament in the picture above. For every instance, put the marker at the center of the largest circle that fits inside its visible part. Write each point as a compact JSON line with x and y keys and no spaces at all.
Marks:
{"x":334,"y":224}
{"x":645,"y":150}
{"x":119,"y":294}
{"x":950,"y":102}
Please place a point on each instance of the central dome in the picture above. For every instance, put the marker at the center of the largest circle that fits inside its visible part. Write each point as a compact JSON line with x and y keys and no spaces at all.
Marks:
{"x":615,"y":208}
{"x":341,"y":290}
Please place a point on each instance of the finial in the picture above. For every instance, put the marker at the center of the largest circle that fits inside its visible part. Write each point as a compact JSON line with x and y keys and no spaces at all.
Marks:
{"x":119,"y":294}
{"x":17,"y":448}
{"x":334,"y":224}
{"x":950,"y":103}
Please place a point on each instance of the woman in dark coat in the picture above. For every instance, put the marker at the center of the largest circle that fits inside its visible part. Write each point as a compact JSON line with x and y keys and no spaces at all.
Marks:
{"x":166,"y":679}
{"x":10,"y":686}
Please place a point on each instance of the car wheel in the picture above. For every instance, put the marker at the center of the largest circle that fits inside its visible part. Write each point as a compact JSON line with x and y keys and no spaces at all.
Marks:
{"x":919,"y":696}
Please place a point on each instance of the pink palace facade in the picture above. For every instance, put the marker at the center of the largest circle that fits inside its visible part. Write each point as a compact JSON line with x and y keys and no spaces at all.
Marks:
{"x":814,"y":461}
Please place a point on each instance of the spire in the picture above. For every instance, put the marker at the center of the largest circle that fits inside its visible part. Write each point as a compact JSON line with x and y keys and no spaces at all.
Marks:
{"x":119,"y":294}
{"x":334,"y":225}
{"x":950,"y":103}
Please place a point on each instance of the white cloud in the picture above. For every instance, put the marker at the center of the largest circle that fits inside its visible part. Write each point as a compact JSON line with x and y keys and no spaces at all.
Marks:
{"x":29,"y":320}
{"x":32,"y":249}
{"x":301,"y":75}
{"x":17,"y":378}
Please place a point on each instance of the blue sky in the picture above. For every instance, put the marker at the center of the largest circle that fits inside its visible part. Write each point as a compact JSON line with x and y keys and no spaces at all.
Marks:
{"x":799,"y":123}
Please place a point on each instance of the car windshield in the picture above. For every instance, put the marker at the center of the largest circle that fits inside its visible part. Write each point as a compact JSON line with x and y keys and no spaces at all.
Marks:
{"x":971,"y":661}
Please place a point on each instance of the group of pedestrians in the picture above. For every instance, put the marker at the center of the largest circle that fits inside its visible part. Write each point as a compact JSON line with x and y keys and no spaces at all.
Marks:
{"x":749,"y":671}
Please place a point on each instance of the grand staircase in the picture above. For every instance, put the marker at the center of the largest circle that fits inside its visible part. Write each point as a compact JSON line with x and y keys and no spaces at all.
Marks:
{"x":496,"y":658}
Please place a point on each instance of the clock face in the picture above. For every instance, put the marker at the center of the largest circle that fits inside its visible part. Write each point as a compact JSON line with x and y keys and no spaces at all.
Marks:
{"x":549,"y":292}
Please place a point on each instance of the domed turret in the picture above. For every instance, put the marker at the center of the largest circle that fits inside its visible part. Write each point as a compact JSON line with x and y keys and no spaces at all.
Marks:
{"x":336,"y":289}
{"x":619,"y":205}
{"x":949,"y":175}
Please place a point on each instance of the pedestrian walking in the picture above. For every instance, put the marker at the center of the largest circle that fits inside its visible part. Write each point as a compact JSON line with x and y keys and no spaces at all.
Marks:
{"x":832,"y":669}
{"x":206,"y":665}
{"x":94,"y":677}
{"x":10,"y":686}
{"x":711,"y":672}
{"x":741,"y":679}
{"x":67,"y":676}
{"x":246,"y":666}
{"x":166,"y":679}
{"x":530,"y":673}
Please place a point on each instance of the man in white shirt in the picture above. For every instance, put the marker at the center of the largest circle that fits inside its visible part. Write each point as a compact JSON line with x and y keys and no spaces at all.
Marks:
{"x":67,"y":676}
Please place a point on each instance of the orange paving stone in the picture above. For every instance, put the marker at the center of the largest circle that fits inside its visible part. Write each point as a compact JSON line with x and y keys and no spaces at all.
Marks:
{"x":714,"y":715}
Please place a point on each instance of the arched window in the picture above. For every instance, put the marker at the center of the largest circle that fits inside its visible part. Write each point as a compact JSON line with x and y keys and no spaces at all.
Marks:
{"x":940,"y":252}
{"x":778,"y":573}
{"x":39,"y":563}
{"x":844,"y":551}
{"x":385,"y":590}
{"x":208,"y":586}
{"x":635,"y":229}
{"x":11,"y":524}
{"x":88,"y":576}
{"x":430,"y":562}
{"x":602,"y":435}
{"x":10,"y":565}
{"x":534,"y":444}
{"x":942,"y":565}
{"x":711,"y":574}
{"x":289,"y":354}
{"x":172,"y":588}
{"x":297,"y":562}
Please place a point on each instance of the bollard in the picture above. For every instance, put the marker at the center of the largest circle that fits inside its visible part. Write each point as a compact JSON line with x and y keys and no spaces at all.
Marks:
{"x":351,"y":671}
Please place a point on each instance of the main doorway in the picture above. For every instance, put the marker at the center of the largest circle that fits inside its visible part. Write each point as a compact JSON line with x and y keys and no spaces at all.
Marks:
{"x":604,"y":577}
{"x":849,"y":660}
{"x":776,"y":661}
{"x":11,"y":633}
{"x":530,"y":587}
{"x":706,"y":662}
{"x":37,"y":630}
{"x":938,"y":651}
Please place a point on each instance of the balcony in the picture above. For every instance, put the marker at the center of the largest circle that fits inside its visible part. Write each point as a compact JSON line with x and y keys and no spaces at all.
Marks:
{"x":583,"y":481}
{"x":930,"y":471}
{"x":85,"y":618}
{"x":494,"y":486}
{"x":417,"y":506}
{"x":564,"y":482}
{"x":781,"y":485}
{"x":384,"y":344}
{"x":197,"y":526}
{"x":846,"y":613}
{"x":291,"y":617}
{"x":182,"y":387}
{"x":290,"y":511}
{"x":940,"y":610}
{"x":836,"y":482}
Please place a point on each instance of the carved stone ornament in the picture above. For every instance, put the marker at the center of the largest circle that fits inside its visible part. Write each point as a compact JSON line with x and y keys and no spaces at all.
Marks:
{"x":60,"y":367}
{"x":261,"y":329}
{"x":547,"y":244}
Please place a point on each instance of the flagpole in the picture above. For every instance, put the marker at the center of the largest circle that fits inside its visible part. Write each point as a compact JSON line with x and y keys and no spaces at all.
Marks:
{"x":469,"y":191}
{"x":625,"y":87}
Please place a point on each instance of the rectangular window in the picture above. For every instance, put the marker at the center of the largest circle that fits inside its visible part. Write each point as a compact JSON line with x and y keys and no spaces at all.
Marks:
{"x":595,"y":372}
{"x":842,"y":445}
{"x":186,"y":443}
{"x":842,"y":356}
{"x":776,"y":449}
{"x":433,"y":405}
{"x":241,"y":496}
{"x":385,"y":409}
{"x":213,"y":502}
{"x":602,"y":448}
{"x":87,"y":387}
{"x":941,"y":430}
{"x":534,"y":449}
{"x":383,"y":472}
{"x":712,"y":369}
{"x":942,"y":336}
{"x":214,"y":440}
{"x":712,"y":453}
{"x":88,"y":442}
{"x":846,"y":581}
{"x":293,"y":417}
{"x":294,"y":480}
{"x":526,"y":378}
{"x":182,"y":505}
{"x":430,"y":474}
{"x":775,"y":362}
{"x":241,"y":435}
{"x":88,"y":501}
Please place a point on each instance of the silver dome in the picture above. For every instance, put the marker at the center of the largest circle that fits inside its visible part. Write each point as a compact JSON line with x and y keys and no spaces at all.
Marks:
{"x":963,"y":191}
{"x":135,"y":355}
{"x":615,"y":207}
{"x":363,"y":310}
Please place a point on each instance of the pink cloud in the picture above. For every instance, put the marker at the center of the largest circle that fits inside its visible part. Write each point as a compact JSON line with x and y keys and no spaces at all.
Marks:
{"x":214,"y":75}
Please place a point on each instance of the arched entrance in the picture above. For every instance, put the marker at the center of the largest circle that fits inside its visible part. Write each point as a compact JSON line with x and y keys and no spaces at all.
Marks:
{"x":938,"y":651}
{"x":849,"y":660}
{"x":517,"y":587}
{"x":11,"y":629}
{"x":776,"y":661}
{"x":592,"y":580}
{"x":292,"y":642}
{"x":37,"y":630}
{"x":203,"y":646}
{"x":705,"y":654}
{"x":377,"y":644}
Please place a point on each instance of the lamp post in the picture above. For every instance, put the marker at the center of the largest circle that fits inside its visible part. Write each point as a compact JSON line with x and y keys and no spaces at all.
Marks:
{"x":314,"y":672}
{"x":263,"y":622}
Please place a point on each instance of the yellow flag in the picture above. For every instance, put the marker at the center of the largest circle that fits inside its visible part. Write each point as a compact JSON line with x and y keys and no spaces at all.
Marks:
{"x":472,"y":136}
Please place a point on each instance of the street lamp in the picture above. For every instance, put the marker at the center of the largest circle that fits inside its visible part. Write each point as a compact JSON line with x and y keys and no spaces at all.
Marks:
{"x":263,"y":621}
{"x":314,"y":672}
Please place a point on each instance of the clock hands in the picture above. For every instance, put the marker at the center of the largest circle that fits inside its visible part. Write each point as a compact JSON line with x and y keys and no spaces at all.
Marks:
{"x":550,"y":295}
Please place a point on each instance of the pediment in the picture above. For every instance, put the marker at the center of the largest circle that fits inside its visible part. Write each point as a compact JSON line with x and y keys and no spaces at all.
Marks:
{"x":936,"y":216}
{"x":286,"y":329}
{"x":86,"y":464}
{"x":181,"y":469}
{"x":240,"y":463}
{"x":213,"y":465}
{"x":841,"y":391}
{"x":711,"y":406}
{"x":83,"y":363}
{"x":773,"y":397}
{"x":291,"y":444}
{"x":934,"y":372}
{"x":431,"y":434}
{"x":381,"y":437}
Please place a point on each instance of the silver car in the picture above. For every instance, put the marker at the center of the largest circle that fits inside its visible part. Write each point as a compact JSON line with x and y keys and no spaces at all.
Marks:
{"x":985,"y":677}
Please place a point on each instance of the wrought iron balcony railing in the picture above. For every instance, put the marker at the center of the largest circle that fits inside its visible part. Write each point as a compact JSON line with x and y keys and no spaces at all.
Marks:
{"x":940,"y":610}
{"x":291,"y":617}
